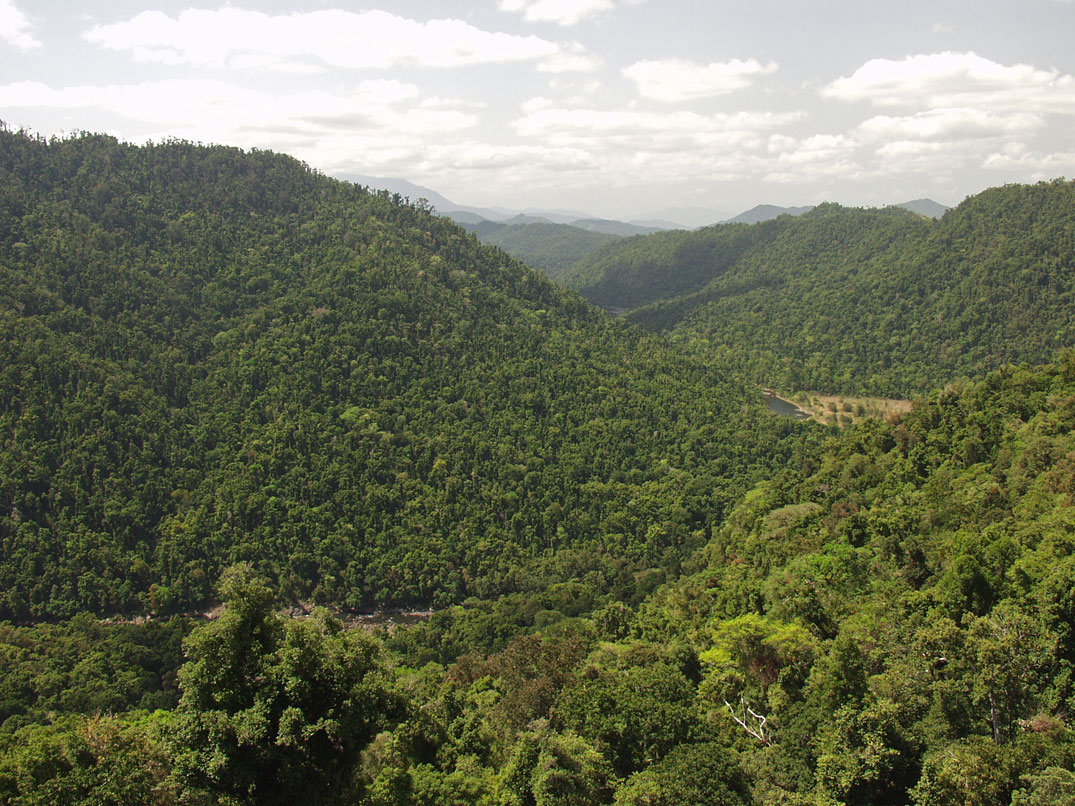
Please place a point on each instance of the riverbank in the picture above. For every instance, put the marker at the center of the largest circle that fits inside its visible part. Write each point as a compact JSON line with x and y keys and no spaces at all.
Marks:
{"x":783,"y":406}
{"x":834,"y":409}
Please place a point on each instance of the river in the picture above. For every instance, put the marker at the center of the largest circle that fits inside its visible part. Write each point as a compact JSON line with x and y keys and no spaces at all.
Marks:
{"x":786,"y":408}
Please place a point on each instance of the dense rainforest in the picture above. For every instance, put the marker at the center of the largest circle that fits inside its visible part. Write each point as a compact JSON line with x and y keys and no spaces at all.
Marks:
{"x":212,"y":357}
{"x":229,"y":382}
{"x":886,"y":621}
{"x":553,"y":248}
{"x":857,"y":301}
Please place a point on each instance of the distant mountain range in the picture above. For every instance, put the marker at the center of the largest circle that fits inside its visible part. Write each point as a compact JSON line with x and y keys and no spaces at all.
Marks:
{"x":767,"y":212}
{"x":926,"y":207}
{"x":878,"y":301}
{"x":477,"y":219}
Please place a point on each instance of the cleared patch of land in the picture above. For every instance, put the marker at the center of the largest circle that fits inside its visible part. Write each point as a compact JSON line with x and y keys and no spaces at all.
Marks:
{"x":846,"y":410}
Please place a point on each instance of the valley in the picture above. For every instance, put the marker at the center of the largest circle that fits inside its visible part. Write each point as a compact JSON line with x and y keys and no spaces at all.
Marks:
{"x":607,"y":571}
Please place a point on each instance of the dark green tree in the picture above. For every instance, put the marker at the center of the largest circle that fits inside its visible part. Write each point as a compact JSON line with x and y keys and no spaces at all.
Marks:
{"x":276,"y":710}
{"x":699,"y":774}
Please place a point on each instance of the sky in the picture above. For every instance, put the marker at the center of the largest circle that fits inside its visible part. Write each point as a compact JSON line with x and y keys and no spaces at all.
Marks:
{"x":618,"y":108}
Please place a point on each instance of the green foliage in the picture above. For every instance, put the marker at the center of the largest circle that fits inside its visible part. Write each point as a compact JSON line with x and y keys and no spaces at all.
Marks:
{"x":750,"y":654}
{"x":879,"y":302}
{"x":86,"y":667}
{"x":275,"y":710}
{"x":699,"y":774}
{"x":209,"y":356}
{"x":1053,"y":786}
{"x":646,"y":589}
{"x":896,"y":607}
{"x":866,"y":756}
{"x":82,"y":761}
{"x":553,"y":248}
{"x":634,"y":711}
{"x":569,"y":771}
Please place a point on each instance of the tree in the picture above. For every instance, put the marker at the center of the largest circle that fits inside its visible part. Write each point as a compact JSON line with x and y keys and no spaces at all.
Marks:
{"x":634,"y":716}
{"x":699,"y":774}
{"x":276,"y":710}
{"x":1012,"y":650}
{"x":756,"y":663}
{"x":570,"y":772}
{"x":83,"y":760}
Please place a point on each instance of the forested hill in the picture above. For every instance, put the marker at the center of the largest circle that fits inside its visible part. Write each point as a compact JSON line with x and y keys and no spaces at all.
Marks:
{"x":211,"y":356}
{"x":859,"y":301}
{"x":553,"y":248}
{"x":899,"y":608}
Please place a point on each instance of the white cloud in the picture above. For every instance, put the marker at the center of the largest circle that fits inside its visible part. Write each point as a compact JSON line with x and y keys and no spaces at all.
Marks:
{"x":301,"y":42}
{"x":563,"y":125}
{"x":15,"y":27}
{"x":673,"y":80}
{"x":371,"y":121}
{"x":952,"y":80}
{"x":934,"y":158}
{"x":1017,"y":158}
{"x":632,"y":145}
{"x":948,"y":124}
{"x":571,"y":58}
{"x":814,"y":158}
{"x":562,"y":12}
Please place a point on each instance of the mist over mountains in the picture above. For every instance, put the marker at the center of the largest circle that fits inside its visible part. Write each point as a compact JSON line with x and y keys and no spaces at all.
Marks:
{"x":669,"y":218}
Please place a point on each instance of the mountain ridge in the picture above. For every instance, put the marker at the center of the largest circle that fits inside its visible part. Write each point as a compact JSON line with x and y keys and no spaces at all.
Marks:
{"x":783,"y":289}
{"x":211,"y":356}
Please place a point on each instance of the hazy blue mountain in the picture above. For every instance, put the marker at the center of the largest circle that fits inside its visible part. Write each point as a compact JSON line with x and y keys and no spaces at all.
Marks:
{"x":465,"y":218}
{"x":655,"y":223}
{"x":523,"y":218}
{"x":926,"y":207}
{"x":442,"y":204}
{"x":485,"y":228}
{"x":681,"y":217}
{"x":610,"y":227}
{"x":766,"y":212}
{"x":555,"y":216}
{"x":403,"y":187}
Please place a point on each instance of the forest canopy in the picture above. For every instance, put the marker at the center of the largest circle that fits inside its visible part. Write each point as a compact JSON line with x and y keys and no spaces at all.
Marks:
{"x":233,"y":386}
{"x":858,"y":301}
{"x":212,"y":356}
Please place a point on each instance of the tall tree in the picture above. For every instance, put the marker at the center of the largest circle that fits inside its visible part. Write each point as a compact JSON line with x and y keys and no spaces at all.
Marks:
{"x":276,"y":710}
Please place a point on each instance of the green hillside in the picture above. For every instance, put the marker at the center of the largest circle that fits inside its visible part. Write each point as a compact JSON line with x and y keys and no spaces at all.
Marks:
{"x":212,"y":356}
{"x":898,"y":607}
{"x":859,"y":301}
{"x":232,"y":390}
{"x":553,"y":248}
{"x":888,"y":620}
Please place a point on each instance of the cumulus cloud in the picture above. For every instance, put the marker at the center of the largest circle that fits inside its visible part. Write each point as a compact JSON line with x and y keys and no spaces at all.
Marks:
{"x":378,"y":119}
{"x":672,"y":80}
{"x":570,"y":58}
{"x":948,"y":124}
{"x":562,"y":12}
{"x":631,"y":145}
{"x":813,"y":158}
{"x":1016,"y":157}
{"x":15,"y":27}
{"x":956,"y":80}
{"x":934,"y":158}
{"x":556,"y":123}
{"x":307,"y":41}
